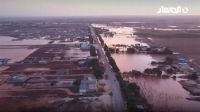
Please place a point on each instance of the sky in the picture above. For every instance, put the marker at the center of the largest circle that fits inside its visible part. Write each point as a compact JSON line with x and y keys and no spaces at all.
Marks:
{"x":91,"y":7}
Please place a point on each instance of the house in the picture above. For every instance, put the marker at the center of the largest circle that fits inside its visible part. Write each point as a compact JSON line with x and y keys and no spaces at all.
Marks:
{"x":181,"y":59}
{"x":83,"y":88}
{"x":18,"y":78}
{"x":85,"y":46}
{"x":43,"y":62}
{"x":4,"y":61}
{"x":88,"y":85}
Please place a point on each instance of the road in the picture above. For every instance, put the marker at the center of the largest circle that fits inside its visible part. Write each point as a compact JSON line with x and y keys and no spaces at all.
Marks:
{"x":117,"y":99}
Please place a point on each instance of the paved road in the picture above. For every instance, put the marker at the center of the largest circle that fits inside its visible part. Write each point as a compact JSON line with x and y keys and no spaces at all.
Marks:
{"x":117,"y":100}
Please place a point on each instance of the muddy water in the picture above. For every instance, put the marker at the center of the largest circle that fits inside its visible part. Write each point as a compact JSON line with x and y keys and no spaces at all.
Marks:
{"x":6,"y":40}
{"x":123,"y":35}
{"x":163,"y":94}
{"x":16,"y":53}
{"x":188,"y":46}
{"x":127,"y":62}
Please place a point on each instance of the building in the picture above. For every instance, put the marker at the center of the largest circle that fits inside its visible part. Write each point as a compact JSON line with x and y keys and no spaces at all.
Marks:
{"x":18,"y":78}
{"x":85,"y":46}
{"x":181,"y":60}
{"x":88,"y":85}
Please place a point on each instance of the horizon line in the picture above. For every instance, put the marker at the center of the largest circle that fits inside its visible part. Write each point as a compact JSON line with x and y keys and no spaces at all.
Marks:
{"x":75,"y":16}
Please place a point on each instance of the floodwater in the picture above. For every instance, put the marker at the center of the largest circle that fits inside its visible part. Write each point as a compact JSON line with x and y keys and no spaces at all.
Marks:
{"x":163,"y":94}
{"x":6,"y":40}
{"x":123,"y":35}
{"x":17,"y":53}
{"x":77,"y":53}
{"x":187,"y":46}
{"x":140,"y":62}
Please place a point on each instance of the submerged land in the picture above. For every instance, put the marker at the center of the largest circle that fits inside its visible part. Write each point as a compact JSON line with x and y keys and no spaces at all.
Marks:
{"x":141,"y":64}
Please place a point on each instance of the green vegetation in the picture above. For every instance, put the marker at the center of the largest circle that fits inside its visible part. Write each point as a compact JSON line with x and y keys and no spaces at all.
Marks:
{"x":93,"y":51}
{"x":98,"y":31}
{"x":130,"y":50}
{"x":133,"y":73}
{"x":111,"y":60}
{"x":169,"y":60}
{"x":77,"y":82}
{"x":131,"y":93}
{"x":90,"y":39}
{"x":113,"y":64}
{"x":98,"y":70}
{"x":156,"y":71}
{"x":193,"y":76}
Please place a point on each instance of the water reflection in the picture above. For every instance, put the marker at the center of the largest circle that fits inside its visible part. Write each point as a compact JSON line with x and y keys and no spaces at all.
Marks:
{"x":163,"y":94}
{"x":6,"y":40}
{"x":127,"y":62}
{"x":16,"y":53}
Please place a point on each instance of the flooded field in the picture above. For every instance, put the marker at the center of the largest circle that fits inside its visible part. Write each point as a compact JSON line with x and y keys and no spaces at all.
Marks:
{"x":122,"y":35}
{"x":140,"y":62}
{"x":6,"y":40}
{"x":162,"y":94}
{"x":165,"y":94}
{"x":187,"y":46}
{"x":18,"y":52}
{"x":15,"y":54}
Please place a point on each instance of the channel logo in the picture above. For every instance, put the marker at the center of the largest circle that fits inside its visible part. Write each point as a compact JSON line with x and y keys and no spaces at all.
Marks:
{"x":173,"y":10}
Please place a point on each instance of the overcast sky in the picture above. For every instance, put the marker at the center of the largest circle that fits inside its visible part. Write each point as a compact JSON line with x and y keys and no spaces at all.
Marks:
{"x":91,"y":7}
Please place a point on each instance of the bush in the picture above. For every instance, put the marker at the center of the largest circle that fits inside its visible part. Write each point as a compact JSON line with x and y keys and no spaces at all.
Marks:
{"x":135,"y":73}
{"x":193,"y":76}
{"x":113,"y":64}
{"x":132,"y":87}
{"x":156,"y":71}
{"x":93,"y":51}
{"x":97,"y":70}
{"x":90,"y":38}
{"x":77,"y":82}
{"x":130,"y":50}
{"x":169,"y":60}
